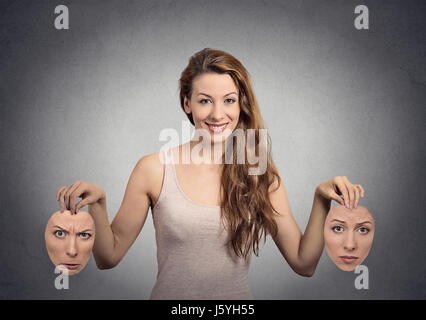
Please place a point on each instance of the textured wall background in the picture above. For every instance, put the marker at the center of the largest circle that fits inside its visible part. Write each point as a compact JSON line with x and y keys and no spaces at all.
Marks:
{"x":88,"y":102}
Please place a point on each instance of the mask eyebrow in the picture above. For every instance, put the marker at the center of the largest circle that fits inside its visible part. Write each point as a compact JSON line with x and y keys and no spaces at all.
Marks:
{"x":87,"y":230}
{"x":364,"y":222}
{"x":338,"y":221}
{"x":61,"y":228}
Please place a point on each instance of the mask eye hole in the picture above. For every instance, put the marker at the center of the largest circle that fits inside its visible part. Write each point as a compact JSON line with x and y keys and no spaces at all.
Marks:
{"x":338,"y":229}
{"x":59,"y":234}
{"x":363,"y":230}
{"x":84,"y":235}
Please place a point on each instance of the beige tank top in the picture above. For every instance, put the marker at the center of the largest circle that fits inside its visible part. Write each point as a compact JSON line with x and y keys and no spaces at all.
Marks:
{"x":193,"y":259}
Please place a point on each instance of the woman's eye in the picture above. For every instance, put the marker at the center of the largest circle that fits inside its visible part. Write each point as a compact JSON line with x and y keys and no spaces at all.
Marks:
{"x":85,"y":235}
{"x":363,"y":230}
{"x":337,"y":229}
{"x":230,"y":100}
{"x":204,"y":101}
{"x":59,"y":233}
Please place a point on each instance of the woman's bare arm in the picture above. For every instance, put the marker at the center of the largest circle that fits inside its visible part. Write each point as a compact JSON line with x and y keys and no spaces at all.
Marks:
{"x":303,"y":251}
{"x":113,"y":241}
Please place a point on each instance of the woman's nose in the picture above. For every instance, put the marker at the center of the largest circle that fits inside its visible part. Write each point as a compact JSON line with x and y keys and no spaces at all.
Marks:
{"x":350,"y":242}
{"x":72,"y":248}
{"x":217,"y":112}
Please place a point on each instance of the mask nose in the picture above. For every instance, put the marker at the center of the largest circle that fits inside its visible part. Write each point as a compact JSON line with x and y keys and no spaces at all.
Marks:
{"x":350,"y":242}
{"x":72,"y":248}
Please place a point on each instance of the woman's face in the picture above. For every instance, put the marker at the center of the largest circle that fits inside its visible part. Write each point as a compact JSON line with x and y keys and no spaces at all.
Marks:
{"x":348,"y":236}
{"x":214,"y":105}
{"x":69,"y":239}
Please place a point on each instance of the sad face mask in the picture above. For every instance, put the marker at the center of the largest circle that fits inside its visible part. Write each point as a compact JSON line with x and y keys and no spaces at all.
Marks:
{"x":348,"y":236}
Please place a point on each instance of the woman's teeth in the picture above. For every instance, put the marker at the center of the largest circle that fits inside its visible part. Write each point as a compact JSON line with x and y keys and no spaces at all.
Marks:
{"x":217,"y":129}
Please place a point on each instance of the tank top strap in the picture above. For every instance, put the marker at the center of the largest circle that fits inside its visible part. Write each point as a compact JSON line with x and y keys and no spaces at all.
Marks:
{"x":168,"y":182}
{"x":168,"y":157}
{"x":169,"y":169}
{"x":169,"y":191}
{"x":172,"y":183}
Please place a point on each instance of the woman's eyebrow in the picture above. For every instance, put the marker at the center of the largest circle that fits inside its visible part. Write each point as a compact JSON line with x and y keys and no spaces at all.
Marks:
{"x":210,"y":96}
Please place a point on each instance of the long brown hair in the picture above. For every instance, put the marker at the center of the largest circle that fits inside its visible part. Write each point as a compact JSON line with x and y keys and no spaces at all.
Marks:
{"x":245,"y":208}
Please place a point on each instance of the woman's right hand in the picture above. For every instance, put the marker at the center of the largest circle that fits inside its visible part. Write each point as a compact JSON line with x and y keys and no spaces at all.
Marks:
{"x":89,"y":192}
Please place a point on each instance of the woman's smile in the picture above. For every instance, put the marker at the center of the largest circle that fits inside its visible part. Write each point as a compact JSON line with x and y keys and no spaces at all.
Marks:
{"x":217,"y":128}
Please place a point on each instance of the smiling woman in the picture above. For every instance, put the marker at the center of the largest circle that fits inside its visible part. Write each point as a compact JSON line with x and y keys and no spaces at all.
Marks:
{"x":69,"y":239}
{"x":205,"y":108}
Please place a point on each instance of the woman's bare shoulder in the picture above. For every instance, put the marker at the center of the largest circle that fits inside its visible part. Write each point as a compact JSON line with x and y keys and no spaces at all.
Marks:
{"x":151,"y":164}
{"x":149,"y":171}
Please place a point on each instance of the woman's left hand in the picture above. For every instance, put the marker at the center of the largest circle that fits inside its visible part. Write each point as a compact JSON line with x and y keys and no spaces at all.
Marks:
{"x":341,"y":190}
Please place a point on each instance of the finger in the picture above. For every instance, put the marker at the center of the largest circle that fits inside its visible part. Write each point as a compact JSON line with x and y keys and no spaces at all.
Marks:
{"x":343,"y":190}
{"x":69,"y":192}
{"x":78,"y":206}
{"x":337,"y":198}
{"x":59,"y":192}
{"x":361,"y":189}
{"x":357,"y":193}
{"x":83,"y":202}
{"x":76,"y":194}
{"x":352,"y":195}
{"x":351,"y":192}
{"x":62,"y":199}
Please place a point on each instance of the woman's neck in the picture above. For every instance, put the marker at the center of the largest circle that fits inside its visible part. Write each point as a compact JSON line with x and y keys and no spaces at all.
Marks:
{"x":202,"y":153}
